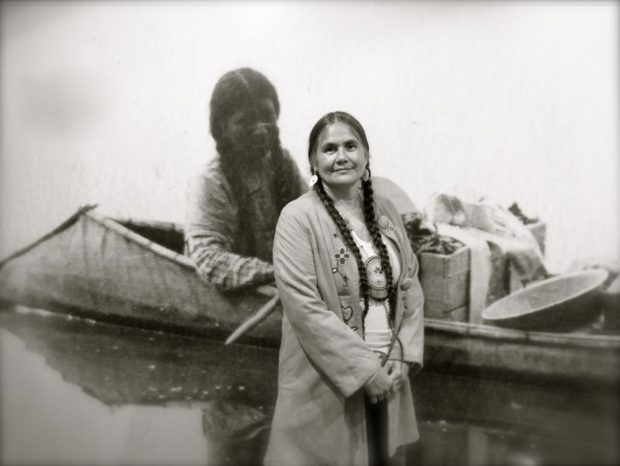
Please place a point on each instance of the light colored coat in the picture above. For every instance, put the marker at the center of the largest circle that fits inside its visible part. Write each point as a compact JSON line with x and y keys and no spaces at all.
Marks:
{"x":319,"y":417}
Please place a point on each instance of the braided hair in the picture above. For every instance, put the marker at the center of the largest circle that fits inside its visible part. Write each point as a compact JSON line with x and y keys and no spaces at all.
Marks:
{"x":247,"y":88}
{"x":370,"y":219}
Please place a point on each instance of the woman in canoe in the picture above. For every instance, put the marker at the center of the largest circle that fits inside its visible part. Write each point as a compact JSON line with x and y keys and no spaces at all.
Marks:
{"x":233,"y":204}
{"x":352,"y":329}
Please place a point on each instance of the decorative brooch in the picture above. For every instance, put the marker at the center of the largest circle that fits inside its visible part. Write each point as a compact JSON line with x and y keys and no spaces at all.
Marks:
{"x":342,"y":256}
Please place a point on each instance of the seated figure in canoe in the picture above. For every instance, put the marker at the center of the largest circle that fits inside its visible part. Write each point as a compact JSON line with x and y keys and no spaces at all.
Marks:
{"x":234,"y":203}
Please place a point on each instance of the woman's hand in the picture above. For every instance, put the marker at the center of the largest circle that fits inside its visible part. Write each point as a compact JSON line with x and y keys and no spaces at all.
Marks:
{"x":398,"y":372}
{"x":379,"y":386}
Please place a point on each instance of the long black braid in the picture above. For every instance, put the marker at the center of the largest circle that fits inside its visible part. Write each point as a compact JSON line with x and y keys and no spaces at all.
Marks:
{"x":371,"y":223}
{"x":372,"y":226}
{"x":285,"y":184}
{"x":235,"y":166}
{"x":345,"y":233}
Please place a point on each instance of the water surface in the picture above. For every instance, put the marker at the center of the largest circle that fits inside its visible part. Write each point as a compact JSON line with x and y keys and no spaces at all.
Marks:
{"x":79,"y":391}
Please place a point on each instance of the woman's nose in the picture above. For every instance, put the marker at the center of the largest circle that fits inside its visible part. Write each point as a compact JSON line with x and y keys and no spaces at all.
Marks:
{"x":340,"y":155}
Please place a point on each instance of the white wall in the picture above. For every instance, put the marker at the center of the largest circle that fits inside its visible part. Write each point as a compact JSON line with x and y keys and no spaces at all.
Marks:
{"x":107,"y":102}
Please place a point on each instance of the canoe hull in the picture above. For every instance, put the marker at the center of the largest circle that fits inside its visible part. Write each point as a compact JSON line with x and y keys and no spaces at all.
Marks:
{"x":516,"y":356}
{"x":93,"y":271}
{"x":94,"y":267}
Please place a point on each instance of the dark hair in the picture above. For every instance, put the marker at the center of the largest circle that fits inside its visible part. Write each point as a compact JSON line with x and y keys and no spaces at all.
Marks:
{"x":330,"y":119}
{"x":243,"y":88}
{"x":370,"y":219}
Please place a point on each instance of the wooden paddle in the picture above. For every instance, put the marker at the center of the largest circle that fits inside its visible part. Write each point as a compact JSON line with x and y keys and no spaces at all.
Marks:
{"x":257,"y":318}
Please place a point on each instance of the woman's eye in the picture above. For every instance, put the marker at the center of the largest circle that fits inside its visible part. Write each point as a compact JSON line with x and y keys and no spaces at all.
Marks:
{"x":351,"y":146}
{"x":329,"y":149}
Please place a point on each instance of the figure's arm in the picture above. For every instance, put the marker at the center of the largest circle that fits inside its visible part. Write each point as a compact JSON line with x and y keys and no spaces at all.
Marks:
{"x":333,"y":347}
{"x":211,"y":220}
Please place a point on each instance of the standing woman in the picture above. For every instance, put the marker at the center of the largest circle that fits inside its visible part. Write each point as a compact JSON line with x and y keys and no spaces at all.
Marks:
{"x":352,"y":328}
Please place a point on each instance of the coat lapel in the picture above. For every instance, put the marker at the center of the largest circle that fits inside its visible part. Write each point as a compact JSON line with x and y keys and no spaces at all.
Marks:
{"x":342,"y":267}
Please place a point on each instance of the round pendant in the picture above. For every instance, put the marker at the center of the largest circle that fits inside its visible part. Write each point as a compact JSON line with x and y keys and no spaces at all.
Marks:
{"x":377,"y":280}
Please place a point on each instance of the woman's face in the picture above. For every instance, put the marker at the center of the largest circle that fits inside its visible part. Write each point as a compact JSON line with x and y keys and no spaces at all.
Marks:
{"x":340,"y":158}
{"x":251,"y":130}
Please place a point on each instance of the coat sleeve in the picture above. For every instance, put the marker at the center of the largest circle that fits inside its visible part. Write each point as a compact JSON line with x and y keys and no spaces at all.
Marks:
{"x":411,"y":332}
{"x":336,"y":350}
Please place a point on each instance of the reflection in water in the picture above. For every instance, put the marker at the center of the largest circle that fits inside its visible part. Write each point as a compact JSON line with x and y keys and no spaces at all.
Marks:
{"x":155,"y":397}
{"x":503,"y":423}
{"x":226,"y":391}
{"x":123,"y":365}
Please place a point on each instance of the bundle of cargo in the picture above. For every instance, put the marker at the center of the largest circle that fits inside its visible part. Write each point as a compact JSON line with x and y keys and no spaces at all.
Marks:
{"x":445,"y":279}
{"x":446,"y":267}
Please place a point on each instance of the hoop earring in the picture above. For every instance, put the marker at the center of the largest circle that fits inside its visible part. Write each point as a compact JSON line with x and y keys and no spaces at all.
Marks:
{"x":366,"y":175}
{"x":313,"y":180}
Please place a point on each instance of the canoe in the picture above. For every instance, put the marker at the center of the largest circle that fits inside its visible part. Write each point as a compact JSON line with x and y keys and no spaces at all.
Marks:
{"x":134,"y":273}
{"x":126,"y":272}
